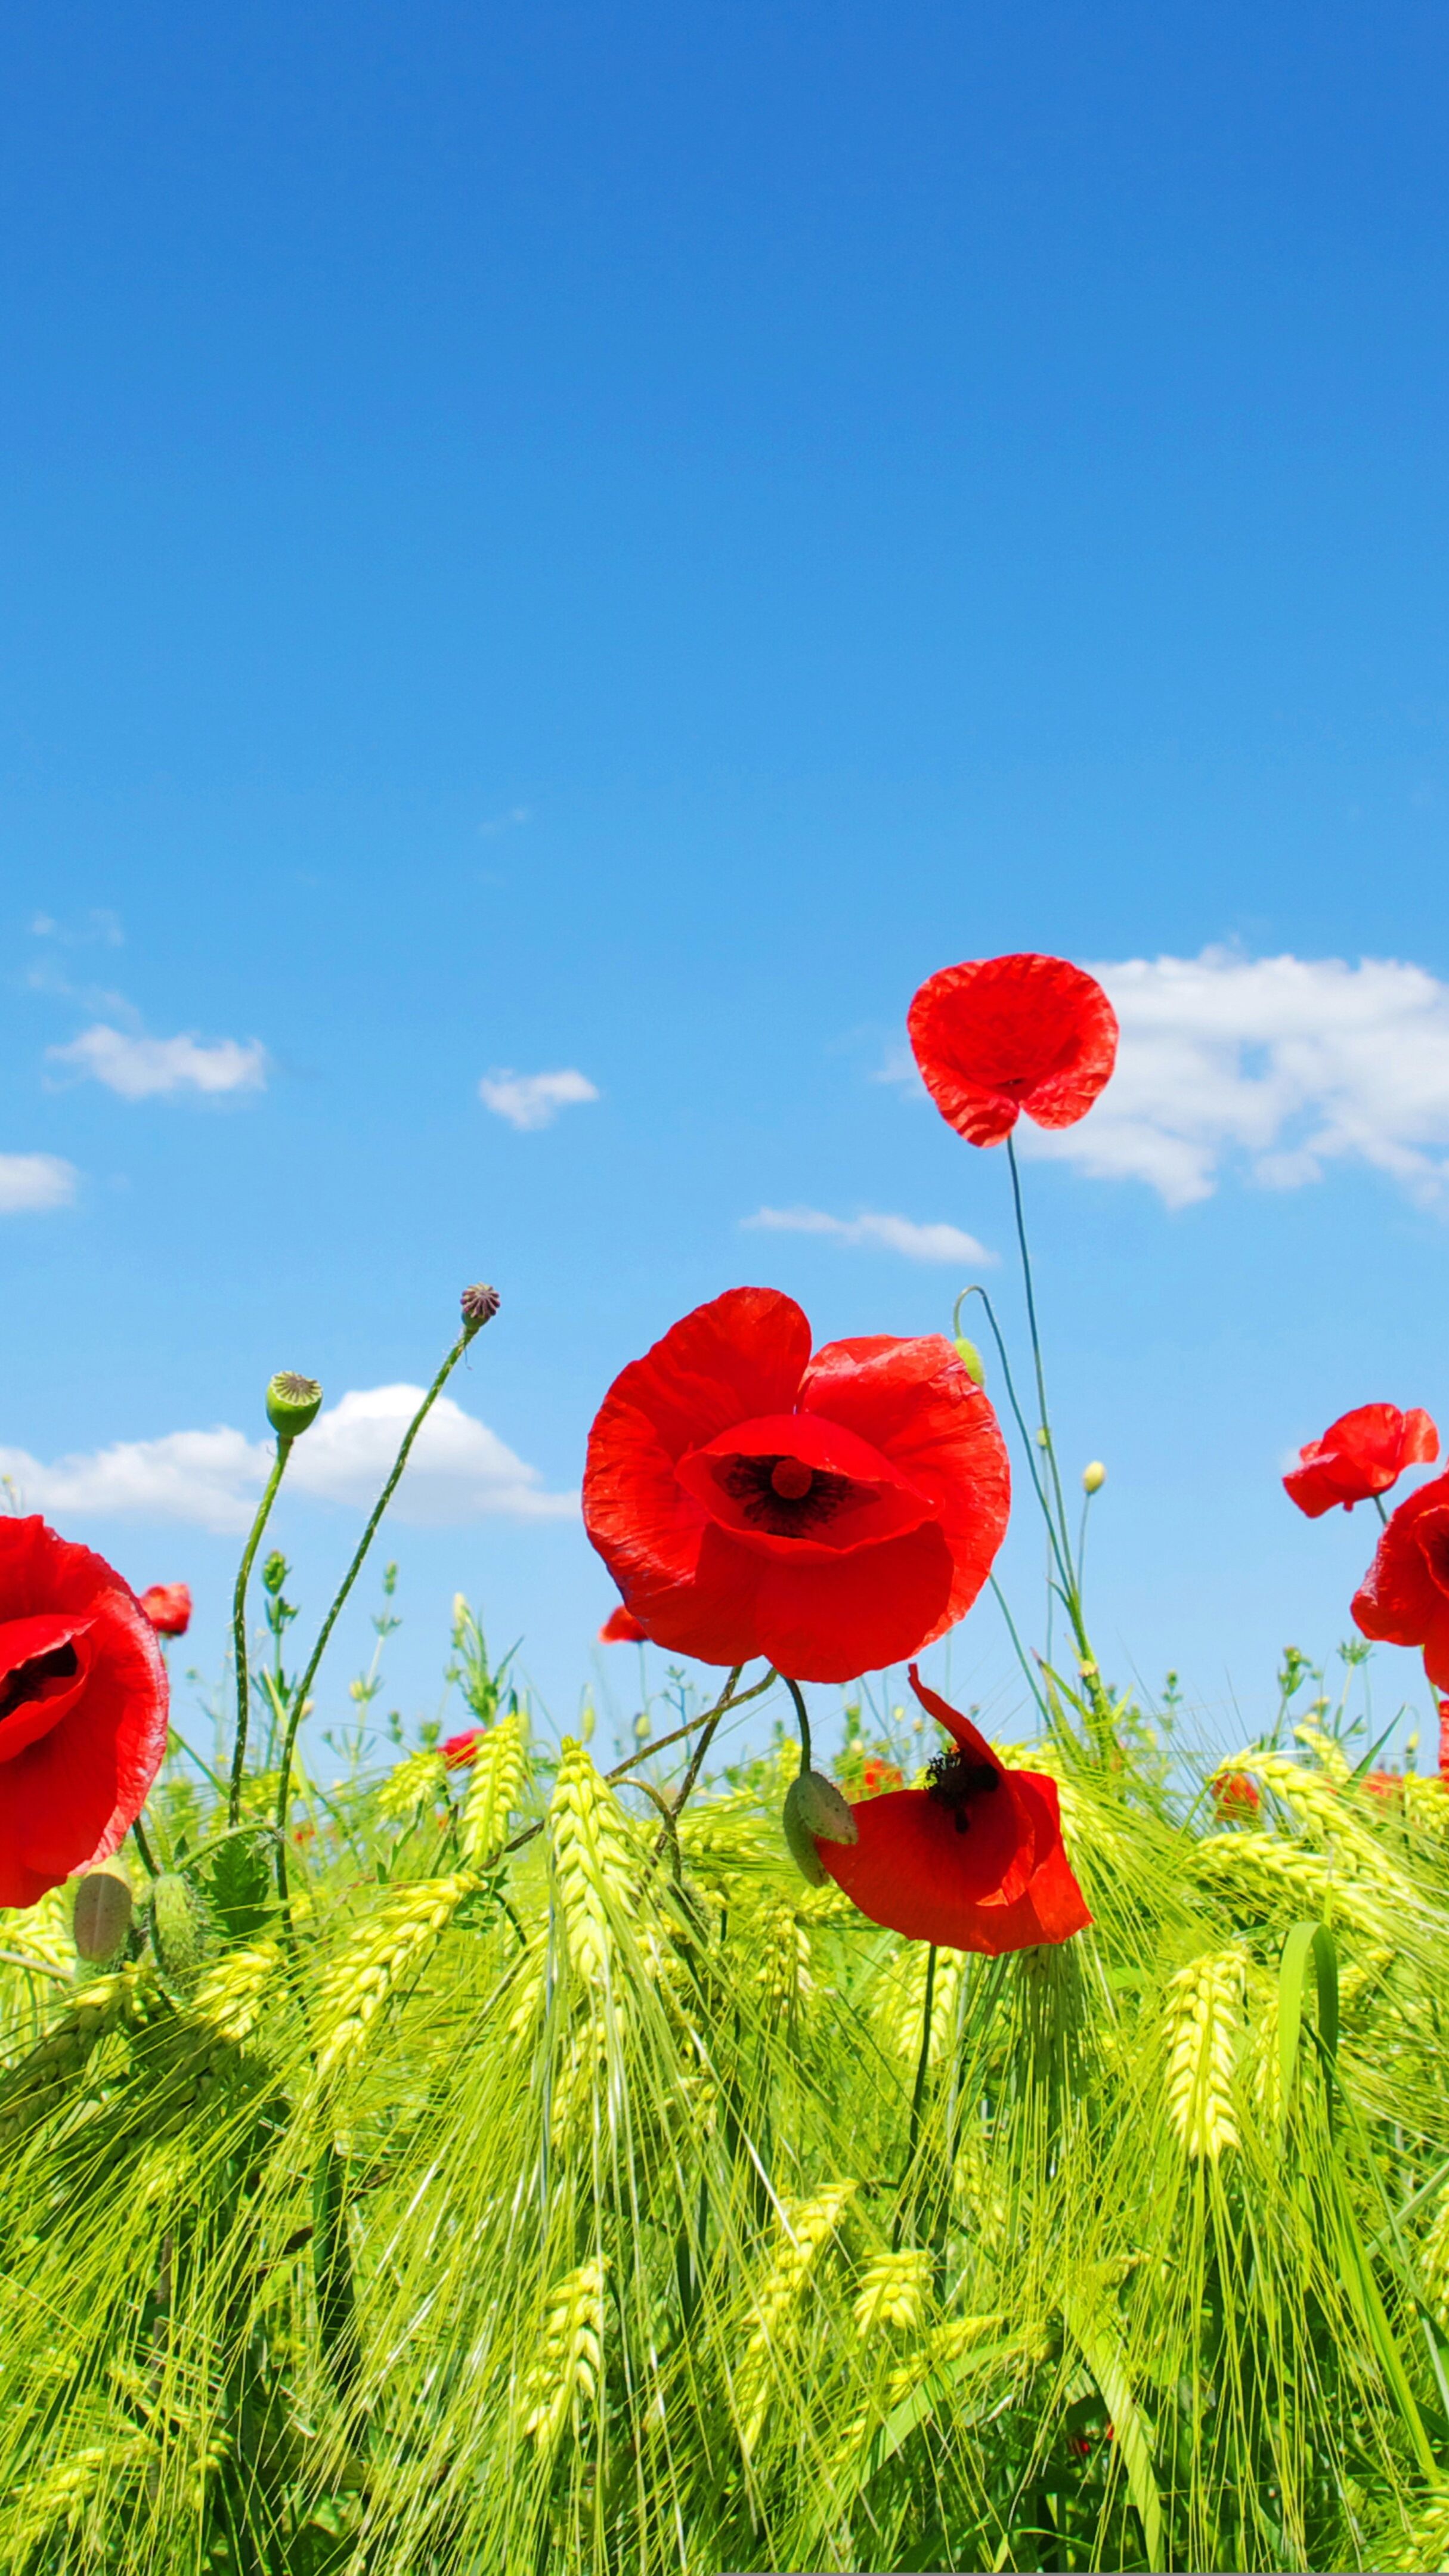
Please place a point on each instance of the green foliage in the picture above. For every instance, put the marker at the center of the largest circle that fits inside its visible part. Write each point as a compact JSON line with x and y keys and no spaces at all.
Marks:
{"x":588,"y":2202}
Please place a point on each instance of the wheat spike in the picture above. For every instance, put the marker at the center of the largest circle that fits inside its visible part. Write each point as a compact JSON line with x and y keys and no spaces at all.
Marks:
{"x":1203,"y":2025}
{"x":593,"y":1862}
{"x":806,"y":2227}
{"x":380,"y":1952}
{"x":419,"y":1777}
{"x":500,"y":1771}
{"x":566,"y":2375}
{"x":231,"y":1995}
{"x":893,"y":2292}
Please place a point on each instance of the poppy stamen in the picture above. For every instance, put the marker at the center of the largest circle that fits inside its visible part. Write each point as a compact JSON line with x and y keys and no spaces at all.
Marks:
{"x":791,"y":1479}
{"x":953,"y":1780}
{"x":783,"y":1495}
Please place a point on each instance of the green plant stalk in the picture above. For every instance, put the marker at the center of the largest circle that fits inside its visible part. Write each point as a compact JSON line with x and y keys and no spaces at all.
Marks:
{"x":300,"y":1695}
{"x":239,"y":1626}
{"x":918,"y":2096}
{"x":802,"y":1716}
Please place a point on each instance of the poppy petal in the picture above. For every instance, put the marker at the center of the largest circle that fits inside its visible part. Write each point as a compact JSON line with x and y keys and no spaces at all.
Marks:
{"x":998,"y":1035}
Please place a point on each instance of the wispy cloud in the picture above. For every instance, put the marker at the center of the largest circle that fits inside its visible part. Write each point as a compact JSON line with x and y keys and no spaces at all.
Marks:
{"x":459,"y":1470}
{"x":509,"y":822}
{"x":99,"y":927}
{"x":1290,"y":1064}
{"x":140,"y":1068}
{"x":32,"y":1182}
{"x":529,"y":1100}
{"x":944,"y":1243}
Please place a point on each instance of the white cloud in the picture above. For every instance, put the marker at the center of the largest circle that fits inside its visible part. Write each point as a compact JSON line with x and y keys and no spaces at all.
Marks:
{"x":34,"y":1181}
{"x":459,"y":1470}
{"x":508,"y":822}
{"x":529,"y":1100}
{"x":945,"y":1243}
{"x":147,"y":1068}
{"x":1293,"y":1063}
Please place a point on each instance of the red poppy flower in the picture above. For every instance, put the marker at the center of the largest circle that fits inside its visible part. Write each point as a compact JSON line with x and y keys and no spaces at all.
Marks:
{"x":1237,"y":1795}
{"x":83,"y":1698}
{"x":460,"y":1752}
{"x":621,"y":1628}
{"x":974,"y":1862}
{"x":834,"y":1514}
{"x":1361,"y":1454}
{"x":878,"y":1777}
{"x":168,"y":1607}
{"x":1444,"y":1739}
{"x":1003,"y":1034}
{"x":1404,"y":1597}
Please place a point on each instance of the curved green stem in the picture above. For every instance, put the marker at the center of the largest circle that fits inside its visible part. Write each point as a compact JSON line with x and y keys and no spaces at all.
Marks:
{"x":300,"y":1695}
{"x":239,"y":1628}
{"x":803,"y":1718}
{"x":1041,"y":1392}
{"x":144,"y":1848}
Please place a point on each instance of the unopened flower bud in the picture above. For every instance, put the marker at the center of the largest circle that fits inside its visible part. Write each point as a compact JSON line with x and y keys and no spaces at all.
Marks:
{"x":970,"y":1359}
{"x":479,"y":1305}
{"x":814,"y":1811}
{"x":292,"y":1403}
{"x":274,"y":1572}
{"x":1094,"y":1477}
{"x":178,"y":1926}
{"x":102,"y":1918}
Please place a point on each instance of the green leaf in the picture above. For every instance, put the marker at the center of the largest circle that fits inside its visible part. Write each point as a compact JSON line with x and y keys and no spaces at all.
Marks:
{"x":237,"y":1885}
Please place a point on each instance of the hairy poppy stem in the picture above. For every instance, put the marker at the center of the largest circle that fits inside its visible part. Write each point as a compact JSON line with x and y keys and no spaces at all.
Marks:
{"x":239,"y":1626}
{"x":1379,"y":1508}
{"x":144,"y":1848}
{"x":803,"y":1716}
{"x":471,"y":1325}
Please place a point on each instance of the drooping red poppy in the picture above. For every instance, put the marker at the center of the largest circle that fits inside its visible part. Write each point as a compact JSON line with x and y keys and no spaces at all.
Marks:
{"x":168,"y":1607}
{"x":460,"y":1752}
{"x":1002,"y":1034}
{"x":834,"y":1514}
{"x":83,"y":1699}
{"x":1404,"y":1597}
{"x":621,"y":1628}
{"x":974,"y":1862}
{"x":1360,"y":1455}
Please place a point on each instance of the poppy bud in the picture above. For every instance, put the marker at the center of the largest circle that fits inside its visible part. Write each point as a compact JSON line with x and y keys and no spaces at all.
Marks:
{"x":178,"y":1926}
{"x":814,"y":1808}
{"x":292,"y":1402}
{"x":274,"y":1573}
{"x":971,"y":1360}
{"x":102,"y":1916}
{"x":1094,"y":1477}
{"x":479,"y":1305}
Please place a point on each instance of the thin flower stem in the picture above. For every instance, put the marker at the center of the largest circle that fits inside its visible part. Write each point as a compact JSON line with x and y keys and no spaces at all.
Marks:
{"x":1051,"y":1454}
{"x":918,"y":2095}
{"x":239,"y":1627}
{"x":803,"y":1718}
{"x":144,"y":1848}
{"x":1033,"y":1685}
{"x":298,"y":1708}
{"x":707,"y":1717}
{"x":1379,"y":1508}
{"x":1030,"y":1447}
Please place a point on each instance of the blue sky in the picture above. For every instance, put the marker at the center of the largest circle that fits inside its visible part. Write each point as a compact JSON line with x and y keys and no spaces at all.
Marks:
{"x":613,"y":541}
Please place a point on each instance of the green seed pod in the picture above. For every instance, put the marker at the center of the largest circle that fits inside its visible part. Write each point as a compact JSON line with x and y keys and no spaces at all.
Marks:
{"x":102,"y":1917}
{"x":971,"y":1360}
{"x":274,"y":1572}
{"x":179,"y":1931}
{"x":292,"y":1402}
{"x":814,"y":1811}
{"x":1094,"y":1477}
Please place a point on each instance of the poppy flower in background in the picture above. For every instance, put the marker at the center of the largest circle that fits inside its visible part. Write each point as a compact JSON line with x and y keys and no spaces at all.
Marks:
{"x":460,"y":1752}
{"x":1003,"y":1034}
{"x":833,"y":1514}
{"x":83,"y":1699}
{"x":877,"y":1777}
{"x":168,"y":1607}
{"x":1236,"y":1795}
{"x":974,"y":1862}
{"x":621,"y":1628}
{"x":1404,"y":1597}
{"x":1360,"y":1455}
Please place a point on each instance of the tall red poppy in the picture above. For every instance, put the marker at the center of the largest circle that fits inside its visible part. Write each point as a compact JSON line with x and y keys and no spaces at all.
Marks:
{"x":621,"y":1628}
{"x":1359,"y":1455}
{"x":1003,"y":1034}
{"x":1404,"y":1597}
{"x":83,"y":1699}
{"x":834,"y":1514}
{"x":460,"y":1752}
{"x":973,"y":1862}
{"x":168,"y":1607}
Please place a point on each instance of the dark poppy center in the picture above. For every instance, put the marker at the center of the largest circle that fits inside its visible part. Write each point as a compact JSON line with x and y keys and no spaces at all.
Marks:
{"x":956,"y":1782}
{"x":39,"y":1679}
{"x":783,"y":1495}
{"x":791,"y":1479}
